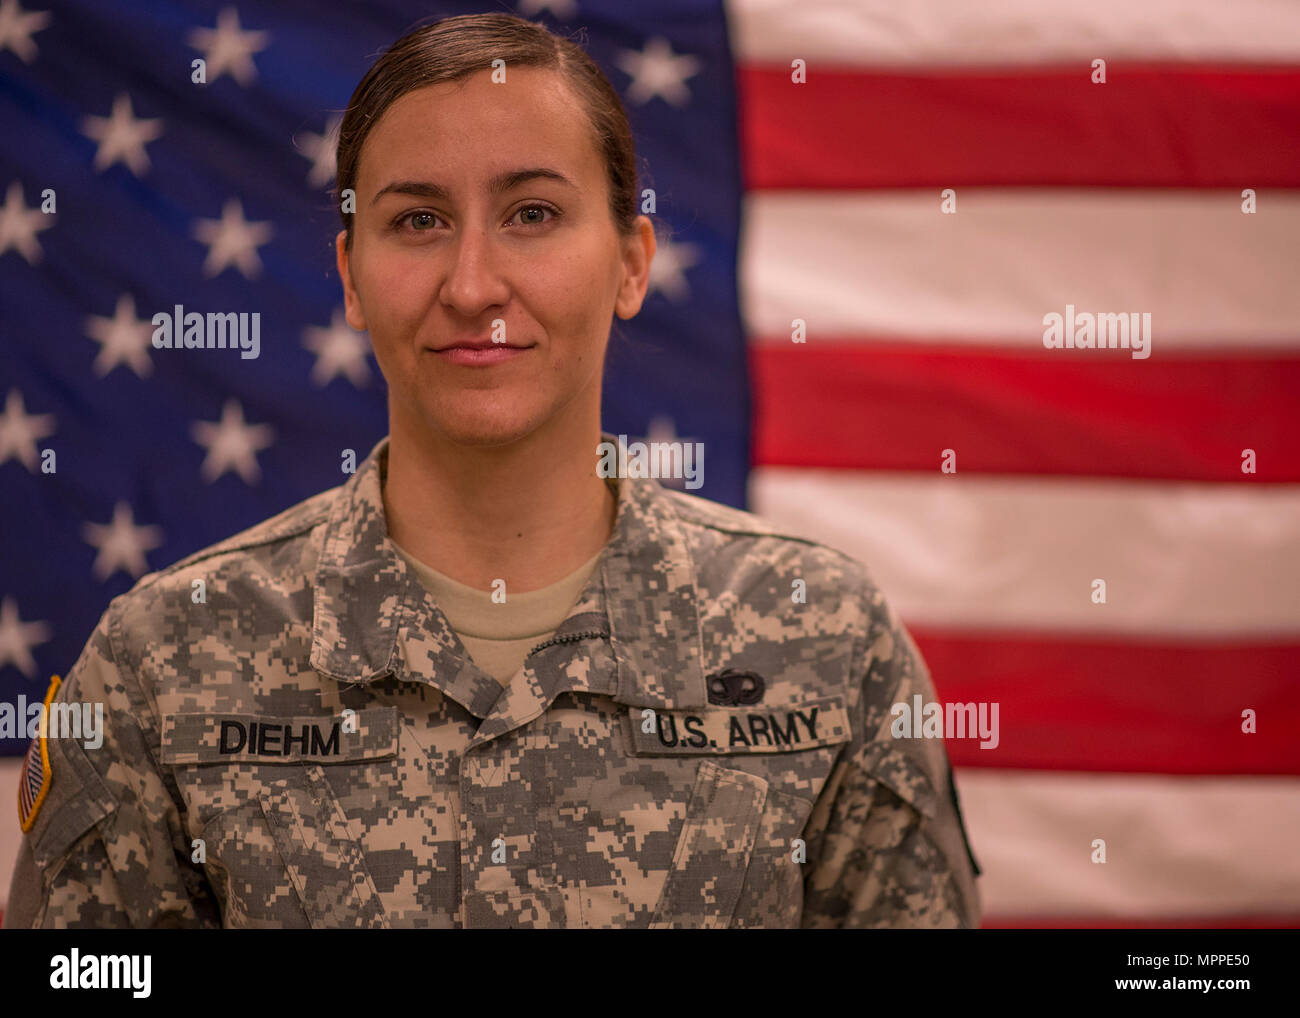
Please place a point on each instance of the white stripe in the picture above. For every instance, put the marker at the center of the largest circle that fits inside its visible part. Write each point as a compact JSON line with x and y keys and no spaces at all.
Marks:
{"x":11,"y":834}
{"x":867,"y":33}
{"x":1175,"y":846}
{"x":889,"y":263}
{"x":1188,"y":560}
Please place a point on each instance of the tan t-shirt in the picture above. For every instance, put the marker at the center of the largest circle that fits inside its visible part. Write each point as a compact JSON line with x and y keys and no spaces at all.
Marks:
{"x":499,"y":636}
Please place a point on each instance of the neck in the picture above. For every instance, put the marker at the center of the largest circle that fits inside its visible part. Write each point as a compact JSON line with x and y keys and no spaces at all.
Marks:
{"x":530,"y":512}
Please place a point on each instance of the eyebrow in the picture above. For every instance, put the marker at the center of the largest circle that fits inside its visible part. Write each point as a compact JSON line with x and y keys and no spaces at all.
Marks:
{"x":498,"y":184}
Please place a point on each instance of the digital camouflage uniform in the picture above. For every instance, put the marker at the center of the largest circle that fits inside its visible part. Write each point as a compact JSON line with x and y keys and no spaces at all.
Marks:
{"x":602,"y":788}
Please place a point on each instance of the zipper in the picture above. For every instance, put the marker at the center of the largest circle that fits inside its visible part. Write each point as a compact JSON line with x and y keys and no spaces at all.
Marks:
{"x":567,"y":638}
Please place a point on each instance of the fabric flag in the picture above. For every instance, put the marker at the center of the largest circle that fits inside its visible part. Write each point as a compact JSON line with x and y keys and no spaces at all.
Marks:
{"x":1103,"y":541}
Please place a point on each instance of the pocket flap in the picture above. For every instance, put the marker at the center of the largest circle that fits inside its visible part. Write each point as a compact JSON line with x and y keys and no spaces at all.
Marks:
{"x":204,"y":737}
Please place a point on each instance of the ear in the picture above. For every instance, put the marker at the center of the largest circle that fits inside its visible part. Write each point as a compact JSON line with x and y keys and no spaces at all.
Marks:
{"x":351,"y":302}
{"x":638,"y":253}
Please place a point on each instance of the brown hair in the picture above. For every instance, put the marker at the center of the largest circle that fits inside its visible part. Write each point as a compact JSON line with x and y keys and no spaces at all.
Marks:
{"x":454,"y":48}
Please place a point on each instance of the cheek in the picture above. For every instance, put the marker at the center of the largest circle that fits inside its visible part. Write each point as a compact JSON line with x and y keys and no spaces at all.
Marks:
{"x":395,"y":301}
{"x":575,"y":303}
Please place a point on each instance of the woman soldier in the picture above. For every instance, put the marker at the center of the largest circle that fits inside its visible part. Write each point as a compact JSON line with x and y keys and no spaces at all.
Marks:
{"x":478,"y":684}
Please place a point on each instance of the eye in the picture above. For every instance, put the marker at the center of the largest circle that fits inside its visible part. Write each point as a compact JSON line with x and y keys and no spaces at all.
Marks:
{"x":533,"y":217}
{"x":420,"y":221}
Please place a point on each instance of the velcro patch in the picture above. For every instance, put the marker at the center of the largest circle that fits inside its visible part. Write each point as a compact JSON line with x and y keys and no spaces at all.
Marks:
{"x":200,"y":737}
{"x":34,"y":779}
{"x":779,"y":728}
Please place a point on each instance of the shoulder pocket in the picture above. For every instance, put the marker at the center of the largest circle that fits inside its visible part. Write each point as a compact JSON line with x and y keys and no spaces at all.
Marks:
{"x":76,"y":798}
{"x":713,"y":849}
{"x":901,"y":774}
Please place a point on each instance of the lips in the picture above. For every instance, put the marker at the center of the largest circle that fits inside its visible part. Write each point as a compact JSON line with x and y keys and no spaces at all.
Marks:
{"x":479,"y":344}
{"x":479,"y":354}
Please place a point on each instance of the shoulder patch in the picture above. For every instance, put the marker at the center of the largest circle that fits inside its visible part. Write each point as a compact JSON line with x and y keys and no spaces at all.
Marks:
{"x":34,"y":778}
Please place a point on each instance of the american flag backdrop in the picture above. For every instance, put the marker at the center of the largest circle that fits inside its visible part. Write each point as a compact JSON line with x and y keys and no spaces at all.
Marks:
{"x":865,"y":212}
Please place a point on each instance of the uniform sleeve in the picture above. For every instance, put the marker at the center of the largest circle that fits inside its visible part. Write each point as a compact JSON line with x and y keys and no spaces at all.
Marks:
{"x":105,"y":847}
{"x":886,"y":843}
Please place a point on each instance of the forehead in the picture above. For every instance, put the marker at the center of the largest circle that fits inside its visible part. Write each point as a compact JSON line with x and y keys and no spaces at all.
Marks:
{"x":474,"y":127}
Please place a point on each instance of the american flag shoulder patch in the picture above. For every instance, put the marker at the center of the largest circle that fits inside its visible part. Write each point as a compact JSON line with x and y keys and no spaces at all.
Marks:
{"x":34,"y":779}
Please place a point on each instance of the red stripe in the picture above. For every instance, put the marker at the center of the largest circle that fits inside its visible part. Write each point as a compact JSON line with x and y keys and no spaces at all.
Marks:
{"x":1212,"y":922}
{"x":1148,"y":126}
{"x":1073,"y":704}
{"x":1093,"y":413}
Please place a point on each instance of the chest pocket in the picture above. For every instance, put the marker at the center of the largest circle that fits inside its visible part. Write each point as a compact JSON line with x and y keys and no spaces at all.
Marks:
{"x":757,"y":771}
{"x":278,"y":848}
{"x":321,"y":860}
{"x":713,"y":849}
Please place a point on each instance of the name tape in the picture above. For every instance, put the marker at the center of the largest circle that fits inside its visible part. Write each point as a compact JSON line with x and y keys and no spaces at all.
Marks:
{"x":782,"y":728}
{"x":196,"y":737}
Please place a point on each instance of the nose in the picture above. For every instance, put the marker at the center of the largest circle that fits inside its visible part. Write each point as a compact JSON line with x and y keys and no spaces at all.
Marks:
{"x":474,"y":278}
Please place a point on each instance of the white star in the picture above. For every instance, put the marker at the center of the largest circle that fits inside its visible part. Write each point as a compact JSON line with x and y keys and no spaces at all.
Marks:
{"x":20,"y":431}
{"x":121,"y":543}
{"x":125,"y":339}
{"x":18,"y":638}
{"x":232,"y":444}
{"x":322,"y":150}
{"x":16,"y":28}
{"x":232,"y":240}
{"x":228,"y":48}
{"x":661,"y":429}
{"x":655,"y":70}
{"x":339,"y":350}
{"x":667,"y":269}
{"x":562,"y":9}
{"x":122,"y":137}
{"x":19,"y":225}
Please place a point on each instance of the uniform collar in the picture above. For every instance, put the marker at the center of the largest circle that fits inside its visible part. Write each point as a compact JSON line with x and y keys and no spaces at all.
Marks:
{"x":372,"y":616}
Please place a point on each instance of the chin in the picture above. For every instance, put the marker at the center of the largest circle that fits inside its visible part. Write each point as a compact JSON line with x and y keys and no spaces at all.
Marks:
{"x":483,"y":425}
